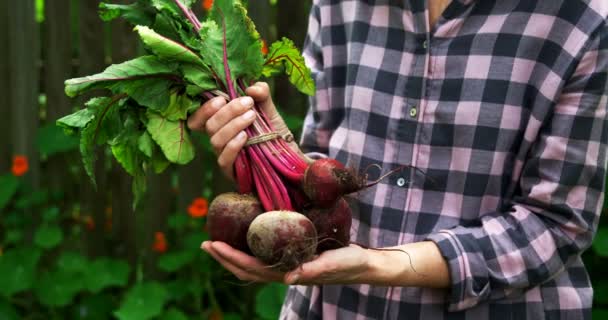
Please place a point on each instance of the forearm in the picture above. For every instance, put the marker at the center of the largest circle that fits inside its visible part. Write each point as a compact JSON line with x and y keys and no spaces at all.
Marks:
{"x":419,"y":264}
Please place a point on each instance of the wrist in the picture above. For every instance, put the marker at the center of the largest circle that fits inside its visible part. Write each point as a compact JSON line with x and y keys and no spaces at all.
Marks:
{"x":381,"y":268}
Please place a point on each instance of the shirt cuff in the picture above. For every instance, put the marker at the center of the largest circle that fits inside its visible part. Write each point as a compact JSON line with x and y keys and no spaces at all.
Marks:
{"x":468,"y":271}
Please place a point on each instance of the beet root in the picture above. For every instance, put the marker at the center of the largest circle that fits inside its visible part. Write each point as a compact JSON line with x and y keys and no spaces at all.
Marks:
{"x":282,"y":239}
{"x":326,"y":180}
{"x":230,"y":215}
{"x":332,"y":224}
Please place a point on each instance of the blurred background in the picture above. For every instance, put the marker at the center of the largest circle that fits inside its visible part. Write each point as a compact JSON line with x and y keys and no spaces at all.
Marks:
{"x":69,"y":251}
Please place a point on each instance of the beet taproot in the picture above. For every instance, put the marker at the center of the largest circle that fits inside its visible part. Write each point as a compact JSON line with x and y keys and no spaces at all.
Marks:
{"x":282,"y":239}
{"x":332,"y":224}
{"x":229,"y":217}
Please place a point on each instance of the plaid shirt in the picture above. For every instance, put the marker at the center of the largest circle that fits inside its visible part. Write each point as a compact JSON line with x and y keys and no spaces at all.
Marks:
{"x":503,"y":104}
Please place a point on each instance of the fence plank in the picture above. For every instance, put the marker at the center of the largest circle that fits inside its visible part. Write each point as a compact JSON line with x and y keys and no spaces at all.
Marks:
{"x":5,"y":107}
{"x":58,"y":68}
{"x":124,"y":220}
{"x":23,"y":55}
{"x":91,"y":58}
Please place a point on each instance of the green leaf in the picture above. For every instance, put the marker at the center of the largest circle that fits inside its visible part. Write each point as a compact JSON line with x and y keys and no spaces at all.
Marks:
{"x":178,"y":108}
{"x":125,"y":147}
{"x":145,"y":144}
{"x":177,"y":221}
{"x":106,"y":272}
{"x":172,"y":138}
{"x":159,"y":161}
{"x":32,"y":199}
{"x":57,"y":288}
{"x":51,"y":140}
{"x":17,"y":270}
{"x":600,"y":243}
{"x":180,"y":288}
{"x":78,"y":119}
{"x":50,"y":214}
{"x":129,"y":72}
{"x":8,"y":187}
{"x":105,"y":126}
{"x":136,"y":13}
{"x":269,"y":300}
{"x":48,"y":236}
{"x":244,"y":47}
{"x":7,"y":311}
{"x":173,"y":261}
{"x":13,"y":236}
{"x":174,"y":314}
{"x":198,"y":76}
{"x":72,"y":262}
{"x":166,"y":48}
{"x":144,"y":301}
{"x":284,"y":56}
{"x":93,"y":307}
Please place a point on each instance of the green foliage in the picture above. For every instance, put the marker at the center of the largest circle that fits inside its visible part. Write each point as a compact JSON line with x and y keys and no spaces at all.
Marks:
{"x":48,"y":236}
{"x":155,"y":93}
{"x":9,"y":185}
{"x":143,"y":301}
{"x":105,"y":272}
{"x":52,"y":140}
{"x":284,"y":57}
{"x":269,"y":300}
{"x":600,"y":243}
{"x":18,"y":270}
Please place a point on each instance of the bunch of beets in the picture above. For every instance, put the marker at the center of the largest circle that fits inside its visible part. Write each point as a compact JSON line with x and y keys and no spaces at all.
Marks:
{"x":142,"y":112}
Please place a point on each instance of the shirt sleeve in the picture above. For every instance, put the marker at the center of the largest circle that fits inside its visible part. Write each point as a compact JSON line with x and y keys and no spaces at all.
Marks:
{"x":554,"y":214}
{"x":321,"y":120}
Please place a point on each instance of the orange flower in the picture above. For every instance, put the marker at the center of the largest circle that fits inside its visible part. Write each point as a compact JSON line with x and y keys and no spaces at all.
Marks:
{"x":160,"y":242}
{"x":20,"y":165}
{"x":88,"y":222}
{"x":198,"y":208}
{"x":264,"y":47}
{"x":207,"y":4}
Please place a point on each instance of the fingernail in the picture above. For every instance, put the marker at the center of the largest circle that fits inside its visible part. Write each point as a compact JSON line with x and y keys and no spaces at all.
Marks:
{"x":293,"y":279}
{"x":247,"y":101}
{"x":242,"y":135}
{"x":248,"y":115}
{"x":218,"y":102}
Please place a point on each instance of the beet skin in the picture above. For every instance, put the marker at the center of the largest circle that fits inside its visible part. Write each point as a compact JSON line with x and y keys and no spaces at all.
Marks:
{"x":332,"y":224}
{"x":230,"y":215}
{"x":282,"y":239}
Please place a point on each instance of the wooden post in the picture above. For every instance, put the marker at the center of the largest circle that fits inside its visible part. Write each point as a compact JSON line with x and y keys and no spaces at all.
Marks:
{"x":23,"y":57}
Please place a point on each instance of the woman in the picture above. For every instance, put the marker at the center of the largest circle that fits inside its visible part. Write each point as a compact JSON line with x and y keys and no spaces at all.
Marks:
{"x":502,"y":104}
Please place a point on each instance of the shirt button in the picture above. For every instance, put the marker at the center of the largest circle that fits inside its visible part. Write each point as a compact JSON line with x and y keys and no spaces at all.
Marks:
{"x":401,"y":182}
{"x":425,"y":44}
{"x":413,"y":112}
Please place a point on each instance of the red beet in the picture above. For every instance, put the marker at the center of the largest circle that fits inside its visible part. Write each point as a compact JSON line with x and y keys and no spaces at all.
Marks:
{"x":325,"y":180}
{"x":282,"y":239}
{"x":230,"y":215}
{"x":332,"y":224}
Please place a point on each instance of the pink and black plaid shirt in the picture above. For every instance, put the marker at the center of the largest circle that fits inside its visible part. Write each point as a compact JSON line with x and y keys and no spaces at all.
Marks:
{"x":503,"y":104}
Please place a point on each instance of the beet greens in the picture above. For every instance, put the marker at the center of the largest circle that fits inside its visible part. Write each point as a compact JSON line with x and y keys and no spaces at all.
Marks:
{"x":143,"y":120}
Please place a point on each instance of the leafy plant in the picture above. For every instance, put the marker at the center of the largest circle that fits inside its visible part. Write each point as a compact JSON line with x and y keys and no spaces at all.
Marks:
{"x":143,"y":120}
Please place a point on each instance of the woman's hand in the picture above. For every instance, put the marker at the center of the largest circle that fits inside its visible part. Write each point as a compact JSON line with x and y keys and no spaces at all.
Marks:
{"x":418,"y":264}
{"x":226,"y":122}
{"x":340,"y":266}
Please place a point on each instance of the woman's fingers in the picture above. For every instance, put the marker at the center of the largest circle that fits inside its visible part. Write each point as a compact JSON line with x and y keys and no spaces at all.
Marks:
{"x":230,"y":130}
{"x":199,"y":118}
{"x":232,"y":110}
{"x":228,"y":155}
